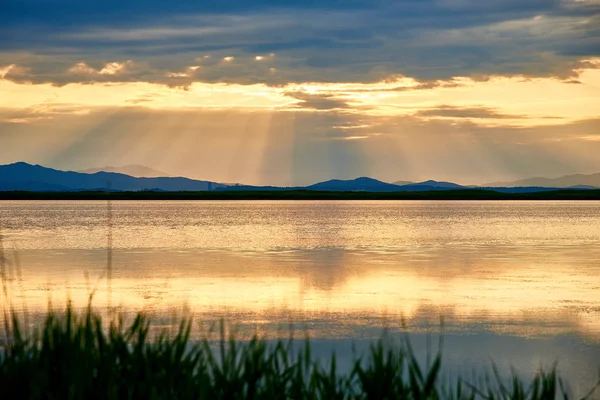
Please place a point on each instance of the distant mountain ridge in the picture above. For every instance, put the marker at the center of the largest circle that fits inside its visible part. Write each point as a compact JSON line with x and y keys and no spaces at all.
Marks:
{"x":23,"y":176}
{"x":566,"y":181}
{"x":437,"y":184}
{"x":363,"y":184}
{"x":135,"y":170}
{"x":374,"y":185}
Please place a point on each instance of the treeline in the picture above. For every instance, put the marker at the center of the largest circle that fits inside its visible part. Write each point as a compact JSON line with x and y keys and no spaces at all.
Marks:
{"x":468,"y":194}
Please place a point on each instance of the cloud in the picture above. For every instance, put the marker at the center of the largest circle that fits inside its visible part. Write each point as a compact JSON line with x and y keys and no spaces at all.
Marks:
{"x":40,"y":113}
{"x":492,"y":101}
{"x":5,"y":70}
{"x":317,"y":101}
{"x":113,"y":68}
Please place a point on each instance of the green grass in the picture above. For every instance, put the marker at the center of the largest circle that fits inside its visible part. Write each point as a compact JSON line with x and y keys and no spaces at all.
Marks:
{"x":78,"y":356}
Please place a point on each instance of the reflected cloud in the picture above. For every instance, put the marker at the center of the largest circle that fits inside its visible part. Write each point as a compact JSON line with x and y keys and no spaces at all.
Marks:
{"x":332,"y":287}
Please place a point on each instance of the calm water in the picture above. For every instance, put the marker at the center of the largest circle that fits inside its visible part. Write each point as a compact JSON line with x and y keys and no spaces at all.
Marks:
{"x":517,"y":282}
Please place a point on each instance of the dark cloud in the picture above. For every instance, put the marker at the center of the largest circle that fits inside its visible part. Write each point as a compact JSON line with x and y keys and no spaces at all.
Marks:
{"x":324,"y":41}
{"x":466,"y":112}
{"x":317,"y":101}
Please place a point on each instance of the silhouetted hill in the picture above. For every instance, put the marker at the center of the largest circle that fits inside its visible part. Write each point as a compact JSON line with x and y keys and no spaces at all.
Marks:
{"x":138,"y":171}
{"x":435,"y":184}
{"x":23,"y":176}
{"x":31,"y":187}
{"x":359,"y":184}
{"x":567,"y":181}
{"x":363,"y":184}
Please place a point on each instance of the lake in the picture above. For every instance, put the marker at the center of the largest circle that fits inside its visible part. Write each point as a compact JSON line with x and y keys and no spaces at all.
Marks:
{"x":513,"y":282}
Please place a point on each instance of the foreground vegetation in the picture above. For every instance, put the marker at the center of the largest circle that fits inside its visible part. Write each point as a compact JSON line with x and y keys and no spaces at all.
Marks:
{"x":463,"y":194}
{"x":77,"y":357}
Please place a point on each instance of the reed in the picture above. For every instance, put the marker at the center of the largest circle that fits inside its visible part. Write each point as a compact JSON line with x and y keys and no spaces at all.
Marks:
{"x":77,"y":356}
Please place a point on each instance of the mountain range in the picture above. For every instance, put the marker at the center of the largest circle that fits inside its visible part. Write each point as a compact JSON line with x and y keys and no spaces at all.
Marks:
{"x":22,"y":176}
{"x":373,"y":185}
{"x":138,"y":171}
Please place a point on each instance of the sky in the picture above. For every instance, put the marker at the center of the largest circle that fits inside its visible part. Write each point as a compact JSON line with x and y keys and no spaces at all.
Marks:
{"x":294,"y":92}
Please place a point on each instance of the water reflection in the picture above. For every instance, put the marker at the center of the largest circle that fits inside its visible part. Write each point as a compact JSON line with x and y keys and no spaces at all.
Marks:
{"x":532,"y":297}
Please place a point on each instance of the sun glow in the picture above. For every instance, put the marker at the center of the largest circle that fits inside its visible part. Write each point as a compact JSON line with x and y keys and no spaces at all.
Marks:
{"x":397,"y":122}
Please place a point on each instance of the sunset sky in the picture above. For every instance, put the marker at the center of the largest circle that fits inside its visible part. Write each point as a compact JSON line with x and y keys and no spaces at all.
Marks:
{"x":290,"y":93}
